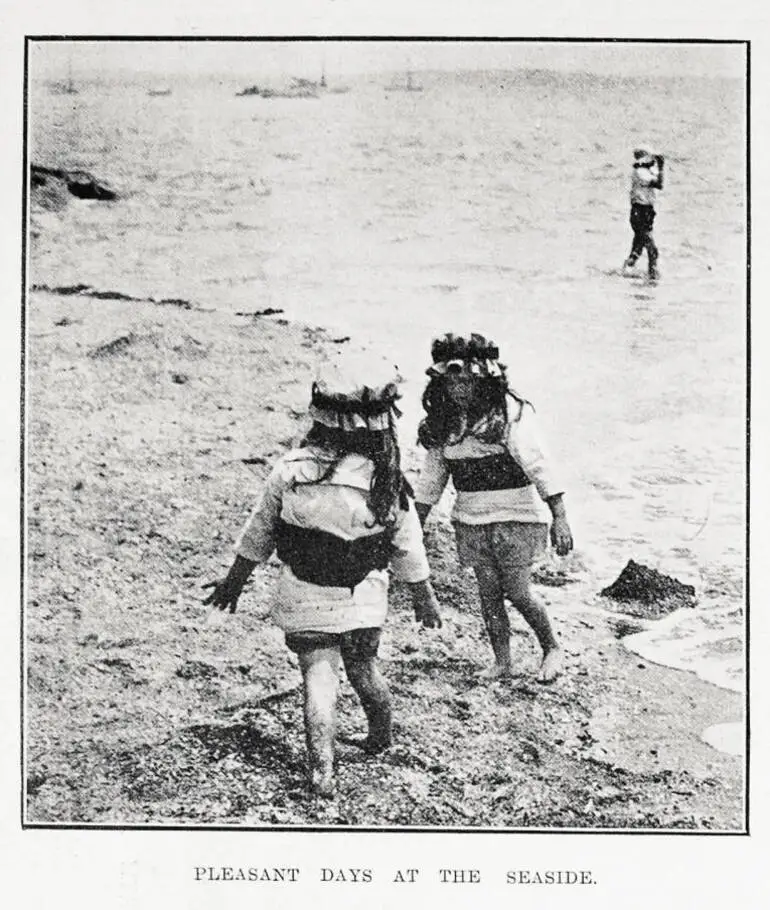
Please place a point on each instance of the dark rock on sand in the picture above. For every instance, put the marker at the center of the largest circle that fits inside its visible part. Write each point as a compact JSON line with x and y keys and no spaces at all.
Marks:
{"x":647,"y":592}
{"x":80,"y":184}
{"x":115,"y":346}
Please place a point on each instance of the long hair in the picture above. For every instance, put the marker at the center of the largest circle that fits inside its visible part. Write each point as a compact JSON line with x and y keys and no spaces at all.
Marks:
{"x":389,"y":487}
{"x":486,"y":417}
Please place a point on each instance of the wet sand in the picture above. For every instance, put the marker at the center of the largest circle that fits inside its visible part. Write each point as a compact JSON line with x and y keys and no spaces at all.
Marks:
{"x":150,"y":428}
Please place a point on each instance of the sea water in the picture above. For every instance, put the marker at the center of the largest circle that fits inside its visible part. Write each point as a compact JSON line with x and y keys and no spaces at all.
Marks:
{"x":495,"y":202}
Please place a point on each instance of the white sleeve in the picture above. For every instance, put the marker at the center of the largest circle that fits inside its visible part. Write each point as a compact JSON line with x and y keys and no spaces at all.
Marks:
{"x":647,"y":176}
{"x":526,"y":445}
{"x":257,"y":539}
{"x":433,"y":477}
{"x":409,"y":562}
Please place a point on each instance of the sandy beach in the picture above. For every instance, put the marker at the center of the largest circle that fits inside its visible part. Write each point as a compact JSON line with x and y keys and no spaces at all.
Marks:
{"x":149,"y":430}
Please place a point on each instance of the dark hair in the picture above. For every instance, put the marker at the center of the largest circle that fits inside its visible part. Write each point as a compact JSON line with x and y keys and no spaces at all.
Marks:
{"x":389,"y":486}
{"x":458,"y":347}
{"x":489,"y":400}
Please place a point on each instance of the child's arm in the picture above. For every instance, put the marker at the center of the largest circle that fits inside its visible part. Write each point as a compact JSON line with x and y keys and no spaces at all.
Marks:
{"x":659,"y":180}
{"x":526,"y":447}
{"x":650,"y":176}
{"x":228,"y":590}
{"x":425,"y":604}
{"x":410,"y":564}
{"x":254,"y":546}
{"x":431,"y":482}
{"x":561,"y":535}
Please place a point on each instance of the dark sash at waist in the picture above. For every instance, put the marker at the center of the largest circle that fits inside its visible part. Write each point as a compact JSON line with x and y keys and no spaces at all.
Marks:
{"x":330,"y":561}
{"x":492,"y":472}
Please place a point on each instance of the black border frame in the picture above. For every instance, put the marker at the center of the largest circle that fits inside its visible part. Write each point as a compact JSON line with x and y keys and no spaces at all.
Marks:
{"x":347,"y":829}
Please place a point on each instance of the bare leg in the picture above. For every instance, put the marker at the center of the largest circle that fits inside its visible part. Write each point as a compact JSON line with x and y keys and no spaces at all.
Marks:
{"x":652,"y":257}
{"x":636,"y":249}
{"x":496,"y":620}
{"x":637,"y":246}
{"x":320,"y":673}
{"x":517,"y":587}
{"x":372,"y":690}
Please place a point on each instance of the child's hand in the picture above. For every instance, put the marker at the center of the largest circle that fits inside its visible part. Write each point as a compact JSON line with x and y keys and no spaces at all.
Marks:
{"x":561,"y":536}
{"x":428,"y":615}
{"x":228,"y":590}
{"x":225,"y":595}
{"x":426,"y":608}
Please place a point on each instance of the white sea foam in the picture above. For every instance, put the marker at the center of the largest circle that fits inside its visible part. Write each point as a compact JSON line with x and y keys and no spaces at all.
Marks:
{"x":708,"y":643}
{"x":730,"y":738}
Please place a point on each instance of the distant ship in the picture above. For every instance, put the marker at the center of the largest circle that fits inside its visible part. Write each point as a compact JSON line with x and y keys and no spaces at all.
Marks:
{"x":321,"y":86}
{"x":159,"y":91}
{"x":408,"y":85}
{"x":299,"y":88}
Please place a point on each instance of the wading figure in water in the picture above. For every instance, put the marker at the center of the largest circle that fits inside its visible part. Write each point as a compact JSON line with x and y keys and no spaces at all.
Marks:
{"x":338,"y":512}
{"x":646,"y":178}
{"x":483,"y":436}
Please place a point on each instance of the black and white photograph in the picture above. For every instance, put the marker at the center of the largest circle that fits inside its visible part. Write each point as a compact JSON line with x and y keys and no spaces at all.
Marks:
{"x":385,"y":434}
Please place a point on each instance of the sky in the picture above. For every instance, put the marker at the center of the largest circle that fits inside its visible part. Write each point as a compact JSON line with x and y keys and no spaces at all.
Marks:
{"x":50,"y":59}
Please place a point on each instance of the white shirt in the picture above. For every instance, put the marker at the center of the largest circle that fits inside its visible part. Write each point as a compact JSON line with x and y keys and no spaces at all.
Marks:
{"x":643,"y":183}
{"x":525,"y":504}
{"x":337,"y":506}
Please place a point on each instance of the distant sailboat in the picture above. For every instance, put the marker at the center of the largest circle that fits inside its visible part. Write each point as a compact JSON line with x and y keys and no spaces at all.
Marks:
{"x":331,"y":89}
{"x":410,"y":86}
{"x":67,"y":87}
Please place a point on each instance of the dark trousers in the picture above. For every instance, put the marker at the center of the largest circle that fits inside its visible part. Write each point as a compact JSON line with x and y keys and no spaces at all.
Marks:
{"x":642,"y":217}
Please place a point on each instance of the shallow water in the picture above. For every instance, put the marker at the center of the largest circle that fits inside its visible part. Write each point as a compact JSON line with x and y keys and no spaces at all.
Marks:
{"x":486,"y":202}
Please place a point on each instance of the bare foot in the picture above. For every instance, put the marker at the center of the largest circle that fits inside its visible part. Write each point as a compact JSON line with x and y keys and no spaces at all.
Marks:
{"x":496,"y":671}
{"x":322,"y":783}
{"x":552,"y":666}
{"x":373,"y":745}
{"x":369,"y":744}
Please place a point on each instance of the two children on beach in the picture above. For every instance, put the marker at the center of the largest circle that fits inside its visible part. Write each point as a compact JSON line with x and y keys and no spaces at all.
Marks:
{"x":338,"y":512}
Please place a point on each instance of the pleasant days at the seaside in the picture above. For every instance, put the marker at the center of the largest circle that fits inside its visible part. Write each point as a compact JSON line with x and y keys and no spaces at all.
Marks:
{"x":385,"y":442}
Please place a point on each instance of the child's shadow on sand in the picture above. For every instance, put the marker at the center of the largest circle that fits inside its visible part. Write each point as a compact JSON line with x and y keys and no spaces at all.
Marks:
{"x":248,"y":741}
